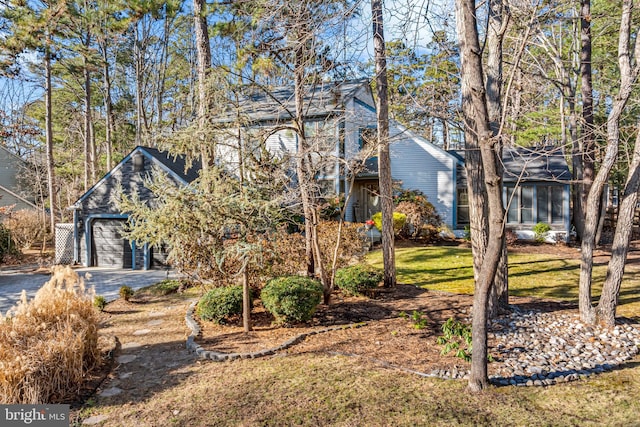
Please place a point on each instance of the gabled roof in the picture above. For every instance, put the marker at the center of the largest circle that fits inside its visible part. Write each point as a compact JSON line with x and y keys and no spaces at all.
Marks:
{"x":522,"y":164}
{"x":535,"y":164}
{"x":17,"y":196}
{"x":173,"y":165}
{"x":269,"y":104}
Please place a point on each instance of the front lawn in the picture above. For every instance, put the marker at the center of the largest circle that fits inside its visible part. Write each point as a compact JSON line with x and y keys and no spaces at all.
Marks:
{"x":552,"y":275}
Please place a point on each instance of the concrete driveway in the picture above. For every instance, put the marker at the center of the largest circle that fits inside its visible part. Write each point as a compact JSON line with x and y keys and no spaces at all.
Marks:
{"x":106,"y":282}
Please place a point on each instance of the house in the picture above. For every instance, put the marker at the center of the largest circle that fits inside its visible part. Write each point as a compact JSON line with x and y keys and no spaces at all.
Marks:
{"x":537,"y":188}
{"x":12,"y":190}
{"x":98,"y":223}
{"x":340,"y":126}
{"x":340,"y":123}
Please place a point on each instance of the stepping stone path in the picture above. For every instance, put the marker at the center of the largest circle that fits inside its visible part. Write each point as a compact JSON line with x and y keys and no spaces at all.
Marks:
{"x":130,"y":345}
{"x":156,"y":322}
{"x":97,"y":419}
{"x":142,"y":332}
{"x":126,"y":358}
{"x":111,"y":391}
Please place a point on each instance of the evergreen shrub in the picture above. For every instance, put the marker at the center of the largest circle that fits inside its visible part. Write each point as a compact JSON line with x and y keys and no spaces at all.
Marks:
{"x":357,"y":279}
{"x":292,"y":299}
{"x":219,"y":304}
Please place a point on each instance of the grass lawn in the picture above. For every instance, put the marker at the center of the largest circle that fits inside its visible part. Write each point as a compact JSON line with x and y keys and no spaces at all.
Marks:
{"x":447,"y":268}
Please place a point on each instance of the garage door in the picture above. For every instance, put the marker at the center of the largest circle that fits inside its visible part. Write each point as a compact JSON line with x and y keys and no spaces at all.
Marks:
{"x":110,"y":249}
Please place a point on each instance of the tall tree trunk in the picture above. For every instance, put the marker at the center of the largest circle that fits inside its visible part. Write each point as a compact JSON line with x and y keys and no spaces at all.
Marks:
{"x":476,"y":116}
{"x":90,"y":142}
{"x":628,"y":77}
{"x":204,"y":64}
{"x":384,"y":158}
{"x":301,"y":168}
{"x":588,"y":138}
{"x":606,"y":309}
{"x":445,"y":134}
{"x":499,"y":296}
{"x":160,"y":87}
{"x":48,"y":98}
{"x":108,"y":106}
{"x":137,"y":60}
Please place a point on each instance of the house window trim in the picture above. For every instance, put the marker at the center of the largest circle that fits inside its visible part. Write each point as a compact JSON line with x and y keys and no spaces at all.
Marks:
{"x":460,"y":223}
{"x":534,"y":205}
{"x":360,"y":131}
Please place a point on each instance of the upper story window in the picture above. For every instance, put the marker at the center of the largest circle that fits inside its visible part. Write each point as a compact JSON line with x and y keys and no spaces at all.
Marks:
{"x":367,"y":138}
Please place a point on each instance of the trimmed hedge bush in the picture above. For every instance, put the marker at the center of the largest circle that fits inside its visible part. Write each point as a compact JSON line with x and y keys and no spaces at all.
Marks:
{"x":357,"y":279}
{"x":292,"y":299}
{"x":399,"y":220}
{"x":219,"y":304}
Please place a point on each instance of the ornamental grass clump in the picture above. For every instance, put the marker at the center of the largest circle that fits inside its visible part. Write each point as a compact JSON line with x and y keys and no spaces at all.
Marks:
{"x":220,"y":304}
{"x":49,"y":343}
{"x":291,"y":299}
{"x":358,"y":279}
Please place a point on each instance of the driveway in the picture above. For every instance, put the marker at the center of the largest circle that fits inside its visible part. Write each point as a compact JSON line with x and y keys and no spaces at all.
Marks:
{"x":107,"y":282}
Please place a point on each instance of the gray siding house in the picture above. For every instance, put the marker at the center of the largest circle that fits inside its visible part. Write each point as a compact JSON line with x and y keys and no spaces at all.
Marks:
{"x":340,"y":121}
{"x":98,"y":222}
{"x":11,"y":190}
{"x":537,"y":188}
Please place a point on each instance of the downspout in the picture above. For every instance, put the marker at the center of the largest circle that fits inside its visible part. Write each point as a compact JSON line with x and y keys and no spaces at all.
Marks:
{"x":76,"y":235}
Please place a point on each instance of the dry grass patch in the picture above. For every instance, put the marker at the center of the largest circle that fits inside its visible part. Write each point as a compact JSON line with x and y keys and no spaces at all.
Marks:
{"x":48,"y":343}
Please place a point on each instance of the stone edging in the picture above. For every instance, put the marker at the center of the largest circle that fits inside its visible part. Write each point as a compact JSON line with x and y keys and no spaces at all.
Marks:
{"x":540,"y":378}
{"x":221,"y":357}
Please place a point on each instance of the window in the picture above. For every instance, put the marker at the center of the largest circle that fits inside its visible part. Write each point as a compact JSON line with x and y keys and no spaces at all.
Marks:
{"x":548,"y":207}
{"x":462,"y":211}
{"x":520,"y":204}
{"x":367,"y":138}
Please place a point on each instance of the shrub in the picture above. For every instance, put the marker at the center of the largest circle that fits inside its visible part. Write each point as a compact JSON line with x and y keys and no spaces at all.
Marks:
{"x":284,"y":252}
{"x":540,"y":231}
{"x":467,"y":233}
{"x":7,"y":245}
{"x":422,"y":220}
{"x":330,"y":207}
{"x":292,"y":299}
{"x":456,"y":336}
{"x":357,"y":279}
{"x":351,"y":243}
{"x":399,"y":220}
{"x":219,"y":304}
{"x":50,"y":343}
{"x":99,"y":302}
{"x":25,"y":227}
{"x":126,"y":292}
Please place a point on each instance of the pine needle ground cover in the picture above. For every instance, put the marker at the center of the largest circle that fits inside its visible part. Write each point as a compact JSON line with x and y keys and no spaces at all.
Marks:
{"x":48,"y":344}
{"x":314,"y":383}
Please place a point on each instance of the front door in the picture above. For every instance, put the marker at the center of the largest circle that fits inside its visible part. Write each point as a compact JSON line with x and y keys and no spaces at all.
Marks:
{"x":369,"y":201}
